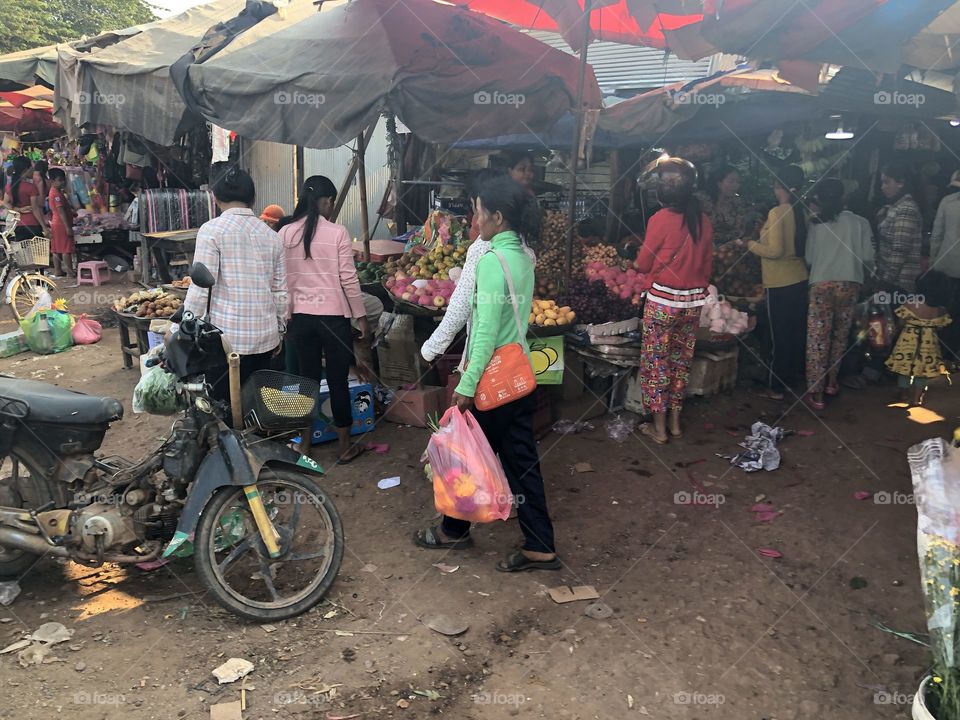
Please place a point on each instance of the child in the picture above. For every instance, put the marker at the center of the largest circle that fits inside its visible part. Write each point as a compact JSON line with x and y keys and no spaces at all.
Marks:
{"x":61,"y":225}
{"x":916,"y":357}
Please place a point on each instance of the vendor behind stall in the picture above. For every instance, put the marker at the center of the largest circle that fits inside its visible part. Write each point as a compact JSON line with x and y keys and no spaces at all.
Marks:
{"x":24,"y":197}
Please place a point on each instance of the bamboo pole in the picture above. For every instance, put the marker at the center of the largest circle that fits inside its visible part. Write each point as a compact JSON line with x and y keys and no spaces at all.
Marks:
{"x":351,"y":174}
{"x":577,"y":134}
{"x":364,"y":210}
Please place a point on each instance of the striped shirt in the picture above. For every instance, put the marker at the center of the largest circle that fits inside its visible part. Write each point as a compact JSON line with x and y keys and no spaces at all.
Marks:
{"x":250,"y":298}
{"x":672,"y":297}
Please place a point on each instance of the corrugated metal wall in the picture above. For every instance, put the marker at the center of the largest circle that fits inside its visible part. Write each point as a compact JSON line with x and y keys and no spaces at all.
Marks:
{"x":336,"y":162}
{"x":272,"y":166}
{"x":619,"y":66}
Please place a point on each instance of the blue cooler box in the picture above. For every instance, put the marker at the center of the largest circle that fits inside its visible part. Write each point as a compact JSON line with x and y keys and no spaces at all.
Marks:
{"x":361,"y":398}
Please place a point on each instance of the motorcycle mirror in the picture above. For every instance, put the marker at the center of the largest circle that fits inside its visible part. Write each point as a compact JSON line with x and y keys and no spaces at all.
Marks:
{"x":201,"y":276}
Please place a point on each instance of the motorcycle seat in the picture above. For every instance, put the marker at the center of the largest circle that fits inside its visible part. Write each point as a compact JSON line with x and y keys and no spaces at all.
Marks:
{"x":52,"y":404}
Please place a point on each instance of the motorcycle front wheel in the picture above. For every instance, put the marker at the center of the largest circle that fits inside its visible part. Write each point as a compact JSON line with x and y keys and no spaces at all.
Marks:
{"x":234,"y":564}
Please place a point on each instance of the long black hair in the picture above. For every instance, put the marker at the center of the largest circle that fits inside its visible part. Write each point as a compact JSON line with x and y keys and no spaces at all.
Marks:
{"x":502,"y":194}
{"x":791,"y":179}
{"x":828,"y":196}
{"x":20,"y":167}
{"x":314,"y":190}
{"x":676,"y":183}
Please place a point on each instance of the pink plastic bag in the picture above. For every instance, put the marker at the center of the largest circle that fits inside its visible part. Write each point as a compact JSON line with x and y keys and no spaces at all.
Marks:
{"x":468,"y":479}
{"x":86,"y":331}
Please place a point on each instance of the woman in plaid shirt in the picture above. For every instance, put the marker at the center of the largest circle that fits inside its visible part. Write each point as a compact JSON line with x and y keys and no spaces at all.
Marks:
{"x":249,"y":301}
{"x":899,"y":232}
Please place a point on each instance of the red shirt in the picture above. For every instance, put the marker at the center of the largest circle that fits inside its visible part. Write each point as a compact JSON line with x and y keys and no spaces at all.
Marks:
{"x":671,"y":254}
{"x":56,"y":200}
{"x":25,"y":191}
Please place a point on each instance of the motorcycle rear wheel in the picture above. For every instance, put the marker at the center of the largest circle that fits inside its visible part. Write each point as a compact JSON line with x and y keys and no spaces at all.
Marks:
{"x":233,"y":563}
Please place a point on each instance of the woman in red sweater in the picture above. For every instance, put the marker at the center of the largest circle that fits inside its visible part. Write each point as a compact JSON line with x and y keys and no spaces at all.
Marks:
{"x":677,"y":256}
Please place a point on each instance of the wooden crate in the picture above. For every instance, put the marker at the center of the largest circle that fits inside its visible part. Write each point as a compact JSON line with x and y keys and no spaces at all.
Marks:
{"x":713,"y":372}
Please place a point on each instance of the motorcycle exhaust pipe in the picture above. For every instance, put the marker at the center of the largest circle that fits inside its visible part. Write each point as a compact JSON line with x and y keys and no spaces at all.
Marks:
{"x":30,"y":543}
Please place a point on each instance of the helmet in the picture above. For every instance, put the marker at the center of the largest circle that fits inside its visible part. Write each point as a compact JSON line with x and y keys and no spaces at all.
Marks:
{"x":676,"y":181}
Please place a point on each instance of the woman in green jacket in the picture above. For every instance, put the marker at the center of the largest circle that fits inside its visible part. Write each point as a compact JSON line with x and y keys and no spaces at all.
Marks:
{"x":505,"y":211}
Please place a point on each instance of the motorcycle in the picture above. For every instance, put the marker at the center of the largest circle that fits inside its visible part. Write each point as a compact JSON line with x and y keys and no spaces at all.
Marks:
{"x":266,"y":540}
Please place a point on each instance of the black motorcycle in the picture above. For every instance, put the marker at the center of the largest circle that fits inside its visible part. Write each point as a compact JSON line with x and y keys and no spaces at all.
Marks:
{"x":266,"y":540}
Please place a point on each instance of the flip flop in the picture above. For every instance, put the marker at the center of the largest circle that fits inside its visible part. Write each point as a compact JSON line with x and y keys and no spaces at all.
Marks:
{"x":347,"y":461}
{"x":815,"y":404}
{"x":430,"y":538}
{"x":831,"y":390}
{"x":518,"y":562}
{"x":768,"y":395}
{"x":647,"y":429}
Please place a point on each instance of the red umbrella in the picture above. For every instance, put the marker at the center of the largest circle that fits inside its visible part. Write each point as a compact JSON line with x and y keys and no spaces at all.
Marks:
{"x":635,"y":22}
{"x":23,"y":120}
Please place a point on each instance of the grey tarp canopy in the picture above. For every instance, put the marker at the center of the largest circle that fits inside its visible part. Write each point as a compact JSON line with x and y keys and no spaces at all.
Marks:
{"x":447,"y":73}
{"x":27,"y":67}
{"x":127,"y":85}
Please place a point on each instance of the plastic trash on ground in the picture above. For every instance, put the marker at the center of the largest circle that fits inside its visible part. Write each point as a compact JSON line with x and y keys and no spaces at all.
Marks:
{"x":571,"y":427}
{"x":760,"y":449}
{"x":9,"y":589}
{"x":621,"y":428}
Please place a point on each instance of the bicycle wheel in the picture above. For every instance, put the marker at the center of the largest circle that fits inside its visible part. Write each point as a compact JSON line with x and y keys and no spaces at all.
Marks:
{"x":26,"y":291}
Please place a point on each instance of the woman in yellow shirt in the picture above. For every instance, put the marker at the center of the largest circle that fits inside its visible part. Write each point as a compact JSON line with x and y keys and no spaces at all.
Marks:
{"x":781,"y":250}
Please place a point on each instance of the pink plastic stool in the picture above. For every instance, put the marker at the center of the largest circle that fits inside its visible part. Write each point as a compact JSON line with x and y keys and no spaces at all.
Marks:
{"x":97,"y":273}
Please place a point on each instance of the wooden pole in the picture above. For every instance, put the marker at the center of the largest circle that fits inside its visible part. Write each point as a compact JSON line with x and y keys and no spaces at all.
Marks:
{"x":348,"y":181}
{"x":364,"y":212}
{"x":577,"y":134}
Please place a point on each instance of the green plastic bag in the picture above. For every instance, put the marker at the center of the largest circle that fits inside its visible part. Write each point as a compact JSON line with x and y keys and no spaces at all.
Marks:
{"x":47,"y":331}
{"x":156,"y":393}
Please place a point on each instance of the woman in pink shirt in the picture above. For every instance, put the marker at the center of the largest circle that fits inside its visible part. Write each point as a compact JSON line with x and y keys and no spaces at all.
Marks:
{"x":324,"y":296}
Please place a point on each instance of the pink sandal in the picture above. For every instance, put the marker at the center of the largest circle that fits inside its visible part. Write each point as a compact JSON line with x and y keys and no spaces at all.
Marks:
{"x":831,"y":390}
{"x":815,"y":404}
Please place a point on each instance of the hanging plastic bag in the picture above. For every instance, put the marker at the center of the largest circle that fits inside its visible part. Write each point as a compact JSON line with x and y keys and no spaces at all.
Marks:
{"x":157,"y":394}
{"x":47,"y":331}
{"x":86,"y":331}
{"x":468,"y":480}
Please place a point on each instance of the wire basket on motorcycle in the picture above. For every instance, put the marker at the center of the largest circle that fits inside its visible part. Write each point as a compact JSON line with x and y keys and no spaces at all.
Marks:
{"x":278,"y":401}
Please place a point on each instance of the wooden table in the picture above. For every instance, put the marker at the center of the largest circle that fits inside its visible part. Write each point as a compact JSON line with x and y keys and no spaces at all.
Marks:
{"x":156,"y":246}
{"x":138,"y":344}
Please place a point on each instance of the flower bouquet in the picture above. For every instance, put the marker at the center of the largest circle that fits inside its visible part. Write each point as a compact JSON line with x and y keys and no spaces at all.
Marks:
{"x":935,"y":467}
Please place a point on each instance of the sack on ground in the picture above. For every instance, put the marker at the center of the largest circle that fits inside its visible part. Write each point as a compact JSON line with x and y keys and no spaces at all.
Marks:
{"x":47,"y":331}
{"x":468,"y":479}
{"x":86,"y":331}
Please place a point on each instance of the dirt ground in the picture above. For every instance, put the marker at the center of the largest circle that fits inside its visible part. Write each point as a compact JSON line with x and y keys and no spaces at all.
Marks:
{"x":702,"y":625}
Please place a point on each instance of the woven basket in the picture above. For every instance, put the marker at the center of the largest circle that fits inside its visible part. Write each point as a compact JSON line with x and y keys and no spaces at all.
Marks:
{"x":35,"y":251}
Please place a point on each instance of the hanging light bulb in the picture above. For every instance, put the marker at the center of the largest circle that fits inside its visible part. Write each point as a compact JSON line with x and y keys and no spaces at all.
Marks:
{"x":955,"y":122}
{"x":840,"y":133}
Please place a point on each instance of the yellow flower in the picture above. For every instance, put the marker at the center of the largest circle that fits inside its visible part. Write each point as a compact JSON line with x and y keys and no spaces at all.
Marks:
{"x":937,"y":679}
{"x":954,"y":591}
{"x":60,"y":304}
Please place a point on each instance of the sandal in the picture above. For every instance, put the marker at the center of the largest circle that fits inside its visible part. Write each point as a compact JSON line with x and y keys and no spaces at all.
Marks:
{"x":768,"y":394}
{"x":647,"y":429}
{"x":518,"y":562}
{"x":347,"y":460}
{"x":831,"y":390}
{"x":815,"y":404}
{"x":430,"y":538}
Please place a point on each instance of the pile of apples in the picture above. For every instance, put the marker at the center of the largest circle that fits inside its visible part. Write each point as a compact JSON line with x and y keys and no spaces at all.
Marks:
{"x":426,"y":293}
{"x":625,"y":284}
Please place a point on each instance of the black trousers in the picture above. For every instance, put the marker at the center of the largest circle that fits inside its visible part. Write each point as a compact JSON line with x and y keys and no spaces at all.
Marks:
{"x":787,"y":312}
{"x":324,"y":347}
{"x":950,"y":335}
{"x":219,"y":378}
{"x":510,"y":432}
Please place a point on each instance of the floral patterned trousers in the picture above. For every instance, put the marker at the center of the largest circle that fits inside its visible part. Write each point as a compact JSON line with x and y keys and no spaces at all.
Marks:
{"x":669,"y":339}
{"x":829,"y":319}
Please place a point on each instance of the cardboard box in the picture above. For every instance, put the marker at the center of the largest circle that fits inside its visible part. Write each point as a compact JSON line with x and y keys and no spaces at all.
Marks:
{"x":397,"y":351}
{"x":361,"y":399}
{"x":413,"y":407}
{"x":12,"y":343}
